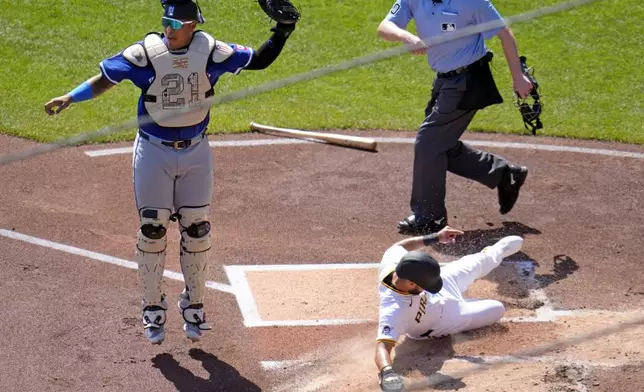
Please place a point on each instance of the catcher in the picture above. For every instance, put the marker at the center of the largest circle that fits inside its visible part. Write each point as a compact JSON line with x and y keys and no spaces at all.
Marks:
{"x":172,"y":165}
{"x":422,"y":300}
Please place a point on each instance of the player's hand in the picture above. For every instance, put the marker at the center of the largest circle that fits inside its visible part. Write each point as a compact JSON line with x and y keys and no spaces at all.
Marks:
{"x":58,"y":104}
{"x":522,"y":86}
{"x":414,"y":42}
{"x":448,"y":235}
{"x":390,"y":381}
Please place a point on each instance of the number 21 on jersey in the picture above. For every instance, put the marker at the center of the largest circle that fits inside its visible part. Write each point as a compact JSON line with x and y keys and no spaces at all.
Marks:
{"x":175,"y":85}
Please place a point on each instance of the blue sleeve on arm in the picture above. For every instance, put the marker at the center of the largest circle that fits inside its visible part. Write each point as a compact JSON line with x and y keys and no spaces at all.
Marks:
{"x":239,"y":59}
{"x":82,"y":93}
{"x":117,"y":68}
{"x":485,"y":12}
{"x":400,"y":14}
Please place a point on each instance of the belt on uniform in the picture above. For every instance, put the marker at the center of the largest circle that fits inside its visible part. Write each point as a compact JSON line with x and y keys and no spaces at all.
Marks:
{"x":452,"y":73}
{"x":483,"y":60}
{"x":177,"y":144}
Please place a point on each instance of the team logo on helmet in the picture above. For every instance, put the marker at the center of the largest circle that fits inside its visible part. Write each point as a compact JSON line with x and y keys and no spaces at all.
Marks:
{"x":170,"y":10}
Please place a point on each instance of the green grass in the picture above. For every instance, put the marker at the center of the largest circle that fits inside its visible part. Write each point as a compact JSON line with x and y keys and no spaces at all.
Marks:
{"x":588,"y":62}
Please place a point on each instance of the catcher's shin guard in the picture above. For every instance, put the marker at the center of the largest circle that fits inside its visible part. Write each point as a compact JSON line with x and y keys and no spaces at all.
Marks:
{"x":150,"y":253}
{"x":195,"y":247}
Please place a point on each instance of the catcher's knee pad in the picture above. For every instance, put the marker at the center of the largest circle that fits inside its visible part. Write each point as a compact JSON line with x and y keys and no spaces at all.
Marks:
{"x":150,"y":252}
{"x":195,"y":229}
{"x":195,"y":244}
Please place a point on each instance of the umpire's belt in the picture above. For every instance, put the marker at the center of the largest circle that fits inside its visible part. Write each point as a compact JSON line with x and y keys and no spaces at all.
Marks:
{"x":483,"y":60}
{"x":177,"y":144}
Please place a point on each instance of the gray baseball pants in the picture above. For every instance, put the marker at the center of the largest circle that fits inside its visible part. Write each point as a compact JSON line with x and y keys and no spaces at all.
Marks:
{"x":165,"y":178}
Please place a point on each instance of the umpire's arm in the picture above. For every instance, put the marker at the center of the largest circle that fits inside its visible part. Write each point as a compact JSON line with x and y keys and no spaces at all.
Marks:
{"x":521,"y":84}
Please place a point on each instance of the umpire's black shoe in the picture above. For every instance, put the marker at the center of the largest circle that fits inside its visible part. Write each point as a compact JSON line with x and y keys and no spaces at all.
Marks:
{"x":409,"y":226}
{"x":509,"y":187}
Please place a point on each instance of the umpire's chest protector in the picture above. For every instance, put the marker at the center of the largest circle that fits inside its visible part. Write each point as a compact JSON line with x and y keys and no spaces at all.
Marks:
{"x":180,"y":81}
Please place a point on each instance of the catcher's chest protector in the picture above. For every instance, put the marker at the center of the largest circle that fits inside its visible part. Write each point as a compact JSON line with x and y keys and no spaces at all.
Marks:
{"x":180,"y":82}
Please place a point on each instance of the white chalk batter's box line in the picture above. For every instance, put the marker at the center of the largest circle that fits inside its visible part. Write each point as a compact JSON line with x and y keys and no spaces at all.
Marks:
{"x":236,"y":273}
{"x":240,"y":287}
{"x":396,"y":140}
{"x":289,"y":365}
{"x":252,"y":318}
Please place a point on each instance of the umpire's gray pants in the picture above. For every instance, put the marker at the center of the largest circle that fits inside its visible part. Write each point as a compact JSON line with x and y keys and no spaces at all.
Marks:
{"x":438,"y":149}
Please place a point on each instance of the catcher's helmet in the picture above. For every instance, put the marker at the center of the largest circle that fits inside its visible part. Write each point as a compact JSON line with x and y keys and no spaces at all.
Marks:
{"x":182,"y":9}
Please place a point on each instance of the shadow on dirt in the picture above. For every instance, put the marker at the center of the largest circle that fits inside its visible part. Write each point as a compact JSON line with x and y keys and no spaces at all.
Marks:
{"x":222,"y":376}
{"x":510,"y":279}
{"x":564,"y":266}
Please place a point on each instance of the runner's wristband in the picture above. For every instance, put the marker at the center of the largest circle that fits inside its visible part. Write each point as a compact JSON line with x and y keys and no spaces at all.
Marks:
{"x":430,"y":239}
{"x":82,"y":93}
{"x":386,"y":369}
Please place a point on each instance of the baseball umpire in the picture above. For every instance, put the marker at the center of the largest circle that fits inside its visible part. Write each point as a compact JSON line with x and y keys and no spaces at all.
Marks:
{"x":172,"y":163}
{"x":422,"y":300}
{"x":463,"y":85}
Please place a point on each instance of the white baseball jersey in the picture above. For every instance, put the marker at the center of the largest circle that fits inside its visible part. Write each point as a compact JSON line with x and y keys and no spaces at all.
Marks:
{"x":428,"y":315}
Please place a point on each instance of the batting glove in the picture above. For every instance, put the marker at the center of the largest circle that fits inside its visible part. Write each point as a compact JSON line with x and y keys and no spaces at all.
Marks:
{"x":390,"y":381}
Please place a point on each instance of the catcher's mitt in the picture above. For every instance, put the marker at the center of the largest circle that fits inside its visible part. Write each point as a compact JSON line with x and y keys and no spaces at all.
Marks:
{"x":281,"y":11}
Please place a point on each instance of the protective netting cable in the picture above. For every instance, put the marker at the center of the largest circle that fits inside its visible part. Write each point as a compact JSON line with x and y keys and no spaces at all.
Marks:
{"x":301,"y":77}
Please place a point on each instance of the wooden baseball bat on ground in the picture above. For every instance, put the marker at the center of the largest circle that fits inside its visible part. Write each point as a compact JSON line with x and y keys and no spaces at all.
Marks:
{"x":361,"y":143}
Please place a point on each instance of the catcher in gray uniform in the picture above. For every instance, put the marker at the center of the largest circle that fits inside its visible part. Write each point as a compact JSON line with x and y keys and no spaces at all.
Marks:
{"x":172,"y":165}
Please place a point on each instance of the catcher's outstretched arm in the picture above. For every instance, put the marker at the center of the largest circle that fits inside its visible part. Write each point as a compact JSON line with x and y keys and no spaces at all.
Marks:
{"x":92,"y":88}
{"x":271,"y":49}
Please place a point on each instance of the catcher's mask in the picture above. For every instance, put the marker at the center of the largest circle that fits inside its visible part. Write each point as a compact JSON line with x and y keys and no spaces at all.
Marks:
{"x":530,"y":113}
{"x":182,"y":9}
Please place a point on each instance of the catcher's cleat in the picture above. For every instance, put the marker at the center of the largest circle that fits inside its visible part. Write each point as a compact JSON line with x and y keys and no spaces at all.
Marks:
{"x":155,"y":335}
{"x":194,"y":317}
{"x":153,"y":322}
